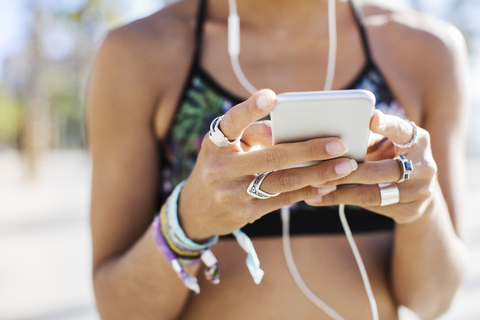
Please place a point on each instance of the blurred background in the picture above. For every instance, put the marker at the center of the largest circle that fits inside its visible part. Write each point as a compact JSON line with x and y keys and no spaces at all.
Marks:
{"x":46,"y":50}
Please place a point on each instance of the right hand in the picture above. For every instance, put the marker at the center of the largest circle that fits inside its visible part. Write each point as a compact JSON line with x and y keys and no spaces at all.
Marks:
{"x":214,"y":200}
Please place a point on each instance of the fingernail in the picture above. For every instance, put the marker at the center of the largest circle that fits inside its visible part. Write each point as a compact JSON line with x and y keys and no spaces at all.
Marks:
{"x":336,"y":147}
{"x":346,"y":167}
{"x":265,"y":100}
{"x":324,"y":190}
{"x":318,"y":184}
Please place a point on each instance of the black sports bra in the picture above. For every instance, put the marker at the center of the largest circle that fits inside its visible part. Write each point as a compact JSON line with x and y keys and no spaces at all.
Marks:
{"x":203,"y":99}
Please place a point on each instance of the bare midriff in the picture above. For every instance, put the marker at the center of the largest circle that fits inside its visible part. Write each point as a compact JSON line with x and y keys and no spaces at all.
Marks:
{"x":326,"y":264}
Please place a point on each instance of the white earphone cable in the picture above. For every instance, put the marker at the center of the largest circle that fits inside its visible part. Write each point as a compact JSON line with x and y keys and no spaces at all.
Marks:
{"x":287,"y":251}
{"x":332,"y":45}
{"x":358,"y":259}
{"x":234,"y":51}
{"x":234,"y":46}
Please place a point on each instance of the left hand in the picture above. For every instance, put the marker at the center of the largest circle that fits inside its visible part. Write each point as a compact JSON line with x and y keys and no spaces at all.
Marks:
{"x":415,"y":193}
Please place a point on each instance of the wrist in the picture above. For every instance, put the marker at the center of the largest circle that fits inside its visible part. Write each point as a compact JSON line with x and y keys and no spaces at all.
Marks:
{"x":193,"y":229}
{"x":190,"y":217}
{"x":181,"y":251}
{"x":177,"y":232}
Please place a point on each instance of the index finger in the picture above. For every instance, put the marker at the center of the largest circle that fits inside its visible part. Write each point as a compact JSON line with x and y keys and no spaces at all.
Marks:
{"x":242,"y":115}
{"x":394,"y":128}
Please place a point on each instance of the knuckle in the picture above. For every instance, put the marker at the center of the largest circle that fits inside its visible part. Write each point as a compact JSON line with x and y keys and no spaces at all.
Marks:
{"x":425,"y":135}
{"x":375,"y":172}
{"x":276,"y":157}
{"x":331,"y":198}
{"x":369,"y":196}
{"x":312,"y":151}
{"x":228,"y":121}
{"x":425,"y":192}
{"x":288,"y":181}
{"x":287,"y":198}
{"x":222,"y":196}
{"x":215,"y":171}
{"x":426,"y":168}
{"x":210,"y":173}
{"x":431,"y":168}
{"x":424,"y":139}
{"x":309,"y":193}
{"x":398,"y":131}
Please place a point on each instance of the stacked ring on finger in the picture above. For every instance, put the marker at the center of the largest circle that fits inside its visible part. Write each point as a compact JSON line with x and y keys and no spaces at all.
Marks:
{"x":414,"y":138}
{"x":217,"y":136}
{"x":254,"y":187}
{"x":406,"y":166}
{"x":389,"y":193}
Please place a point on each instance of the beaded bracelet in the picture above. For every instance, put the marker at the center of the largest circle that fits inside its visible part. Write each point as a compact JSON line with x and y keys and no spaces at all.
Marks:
{"x":179,"y":250}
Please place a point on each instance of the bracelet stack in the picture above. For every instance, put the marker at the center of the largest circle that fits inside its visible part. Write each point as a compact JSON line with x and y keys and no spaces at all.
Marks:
{"x":180,"y":251}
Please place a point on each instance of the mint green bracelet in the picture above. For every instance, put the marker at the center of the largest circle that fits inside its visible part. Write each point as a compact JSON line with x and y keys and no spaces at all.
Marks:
{"x":177,"y":235}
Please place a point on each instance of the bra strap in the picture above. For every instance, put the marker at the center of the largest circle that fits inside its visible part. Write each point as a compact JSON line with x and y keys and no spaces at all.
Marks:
{"x":199,"y":31}
{"x":363,"y":33}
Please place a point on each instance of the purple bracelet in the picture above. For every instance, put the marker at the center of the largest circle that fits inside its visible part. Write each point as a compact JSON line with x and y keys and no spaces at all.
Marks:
{"x":190,"y":281}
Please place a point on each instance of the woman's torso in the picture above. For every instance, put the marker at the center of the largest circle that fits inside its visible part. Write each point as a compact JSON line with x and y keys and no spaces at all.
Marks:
{"x":203,"y":99}
{"x":325,"y":261}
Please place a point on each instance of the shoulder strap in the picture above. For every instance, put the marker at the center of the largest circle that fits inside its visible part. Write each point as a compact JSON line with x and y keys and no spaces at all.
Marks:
{"x":199,"y":31}
{"x":361,"y":27}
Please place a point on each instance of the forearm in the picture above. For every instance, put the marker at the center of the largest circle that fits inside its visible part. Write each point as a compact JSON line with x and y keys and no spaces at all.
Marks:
{"x":428,"y":261}
{"x":140,"y":284}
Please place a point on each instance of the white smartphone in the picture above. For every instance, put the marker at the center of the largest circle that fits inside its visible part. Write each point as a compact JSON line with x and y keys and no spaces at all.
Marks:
{"x":301,"y":116}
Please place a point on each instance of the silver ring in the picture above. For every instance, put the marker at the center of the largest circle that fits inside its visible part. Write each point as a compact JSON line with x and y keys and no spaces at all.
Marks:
{"x":406,"y":166}
{"x":217,"y":136}
{"x":254,"y":187}
{"x":389,"y":194}
{"x":414,"y":138}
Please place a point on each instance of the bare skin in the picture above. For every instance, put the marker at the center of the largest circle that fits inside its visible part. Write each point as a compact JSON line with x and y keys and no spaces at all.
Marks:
{"x":135,"y":85}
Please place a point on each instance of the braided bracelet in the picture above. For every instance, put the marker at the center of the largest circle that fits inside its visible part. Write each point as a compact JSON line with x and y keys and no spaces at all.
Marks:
{"x":175,"y":231}
{"x":189,"y":280}
{"x":179,"y":250}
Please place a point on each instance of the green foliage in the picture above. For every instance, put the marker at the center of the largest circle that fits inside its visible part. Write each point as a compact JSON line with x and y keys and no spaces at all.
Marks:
{"x":10,"y":116}
{"x":104,"y":11}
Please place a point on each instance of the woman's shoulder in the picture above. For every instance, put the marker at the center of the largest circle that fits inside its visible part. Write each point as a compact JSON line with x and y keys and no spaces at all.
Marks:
{"x":142,"y":66}
{"x":417,"y":51}
{"x":422,"y":57}
{"x":410,"y":31}
{"x":157,"y":42}
{"x":170,"y":24}
{"x":146,"y":61}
